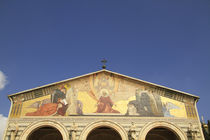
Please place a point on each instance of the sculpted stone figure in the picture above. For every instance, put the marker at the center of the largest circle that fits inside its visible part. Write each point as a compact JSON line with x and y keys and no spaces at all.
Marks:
{"x":14,"y":128}
{"x":73,"y":131}
{"x":192,"y":130}
{"x":133,"y":133}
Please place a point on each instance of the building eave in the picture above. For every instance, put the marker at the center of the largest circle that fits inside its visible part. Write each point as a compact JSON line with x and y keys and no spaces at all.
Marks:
{"x":104,"y":70}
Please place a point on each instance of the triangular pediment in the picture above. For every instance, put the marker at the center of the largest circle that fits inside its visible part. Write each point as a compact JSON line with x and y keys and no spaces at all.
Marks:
{"x":102,"y":93}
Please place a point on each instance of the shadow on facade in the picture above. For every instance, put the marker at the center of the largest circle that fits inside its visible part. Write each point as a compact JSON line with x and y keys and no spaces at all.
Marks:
{"x":104,"y":133}
{"x":161,"y":134}
{"x":45,"y":133}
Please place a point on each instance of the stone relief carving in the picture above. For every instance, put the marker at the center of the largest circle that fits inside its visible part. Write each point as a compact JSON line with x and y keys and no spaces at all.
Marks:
{"x":133,"y":132}
{"x":13,"y":127}
{"x":192,"y":131}
{"x":73,"y":130}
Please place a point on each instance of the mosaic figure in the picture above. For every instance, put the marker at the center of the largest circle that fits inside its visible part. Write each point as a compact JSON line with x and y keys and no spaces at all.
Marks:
{"x":105,"y":103}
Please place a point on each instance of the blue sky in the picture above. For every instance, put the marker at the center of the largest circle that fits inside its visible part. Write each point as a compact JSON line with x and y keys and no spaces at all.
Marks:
{"x":166,"y":42}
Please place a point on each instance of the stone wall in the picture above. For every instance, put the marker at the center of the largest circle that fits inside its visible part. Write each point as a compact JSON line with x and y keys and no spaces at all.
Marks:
{"x":83,"y":122}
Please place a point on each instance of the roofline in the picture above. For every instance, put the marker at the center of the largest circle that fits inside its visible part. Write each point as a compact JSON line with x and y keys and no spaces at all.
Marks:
{"x":109,"y":72}
{"x":55,"y":83}
{"x":155,"y":84}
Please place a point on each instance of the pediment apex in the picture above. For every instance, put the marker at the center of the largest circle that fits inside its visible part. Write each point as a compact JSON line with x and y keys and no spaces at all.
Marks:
{"x":111,"y":72}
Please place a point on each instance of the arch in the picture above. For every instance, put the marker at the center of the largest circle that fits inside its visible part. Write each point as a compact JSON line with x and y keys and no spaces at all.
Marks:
{"x":45,"y":133}
{"x":98,"y":124}
{"x":161,"y":124}
{"x":104,"y":133}
{"x":36,"y":125}
{"x":160,"y":133}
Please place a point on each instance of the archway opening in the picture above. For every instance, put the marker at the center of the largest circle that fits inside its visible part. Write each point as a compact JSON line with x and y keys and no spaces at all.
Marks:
{"x":45,"y":133}
{"x":161,"y":134}
{"x":104,"y":133}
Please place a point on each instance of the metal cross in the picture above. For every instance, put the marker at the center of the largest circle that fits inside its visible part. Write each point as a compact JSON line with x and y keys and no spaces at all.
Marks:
{"x":104,"y":61}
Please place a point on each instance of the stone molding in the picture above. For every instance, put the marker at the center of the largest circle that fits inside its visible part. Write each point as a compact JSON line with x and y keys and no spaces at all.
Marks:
{"x":163,"y":124}
{"x":104,"y":123}
{"x":38,"y":124}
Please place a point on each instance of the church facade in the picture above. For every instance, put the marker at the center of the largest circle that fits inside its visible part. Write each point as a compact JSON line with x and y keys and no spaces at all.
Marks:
{"x":103,"y":105}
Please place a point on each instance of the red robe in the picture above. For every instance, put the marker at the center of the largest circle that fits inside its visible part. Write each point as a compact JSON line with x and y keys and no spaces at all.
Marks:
{"x":105,"y":105}
{"x":44,"y":110}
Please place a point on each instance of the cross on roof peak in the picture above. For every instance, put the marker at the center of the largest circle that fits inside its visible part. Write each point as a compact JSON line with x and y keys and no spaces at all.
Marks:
{"x":104,"y":61}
